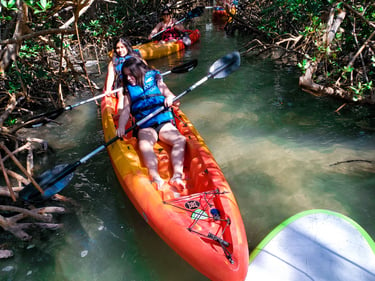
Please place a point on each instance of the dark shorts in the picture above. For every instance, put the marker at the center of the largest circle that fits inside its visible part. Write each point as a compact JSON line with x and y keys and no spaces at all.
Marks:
{"x":157,"y":127}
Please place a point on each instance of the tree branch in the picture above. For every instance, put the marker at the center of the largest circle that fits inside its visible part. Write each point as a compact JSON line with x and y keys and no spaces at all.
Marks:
{"x":35,"y":34}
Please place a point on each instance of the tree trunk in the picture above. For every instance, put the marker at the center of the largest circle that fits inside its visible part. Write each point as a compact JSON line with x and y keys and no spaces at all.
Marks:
{"x":306,"y":81}
{"x":9,"y":54}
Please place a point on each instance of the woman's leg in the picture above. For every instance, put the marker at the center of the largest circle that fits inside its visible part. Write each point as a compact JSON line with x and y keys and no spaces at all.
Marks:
{"x":170,"y":135}
{"x":146,"y":140}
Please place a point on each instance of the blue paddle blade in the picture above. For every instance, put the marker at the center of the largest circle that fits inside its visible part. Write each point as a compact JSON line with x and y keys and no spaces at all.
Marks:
{"x":226,"y":65}
{"x":31,"y":194}
{"x":59,"y":185}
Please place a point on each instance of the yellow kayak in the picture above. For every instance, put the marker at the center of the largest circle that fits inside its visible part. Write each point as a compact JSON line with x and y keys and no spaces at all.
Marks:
{"x":155,"y":49}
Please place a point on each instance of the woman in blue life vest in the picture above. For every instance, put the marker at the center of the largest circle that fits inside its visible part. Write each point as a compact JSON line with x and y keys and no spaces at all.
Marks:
{"x":173,"y":31}
{"x":122,"y":50}
{"x":145,"y":92}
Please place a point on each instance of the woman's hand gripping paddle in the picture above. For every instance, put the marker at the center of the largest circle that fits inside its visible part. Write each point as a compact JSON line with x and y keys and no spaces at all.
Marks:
{"x":54,"y":180}
{"x":44,"y":118}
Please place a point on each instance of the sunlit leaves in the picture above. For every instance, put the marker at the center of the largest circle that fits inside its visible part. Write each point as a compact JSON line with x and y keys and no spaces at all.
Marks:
{"x":303,"y":65}
{"x":10,"y":5}
{"x":339,"y":5}
{"x":39,"y":6}
{"x":94,"y":27}
{"x":360,"y":89}
{"x":345,"y":70}
{"x":44,"y":5}
{"x":115,"y":29}
{"x":28,"y":52}
{"x":10,"y":122}
{"x":348,"y":68}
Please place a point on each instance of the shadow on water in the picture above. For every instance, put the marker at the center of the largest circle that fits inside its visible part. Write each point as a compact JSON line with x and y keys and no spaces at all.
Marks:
{"x":275,"y":144}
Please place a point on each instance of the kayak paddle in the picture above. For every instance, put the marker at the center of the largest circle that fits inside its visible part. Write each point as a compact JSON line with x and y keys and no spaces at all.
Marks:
{"x":54,"y":180}
{"x":44,"y":118}
{"x":186,"y":67}
{"x":196,"y":12}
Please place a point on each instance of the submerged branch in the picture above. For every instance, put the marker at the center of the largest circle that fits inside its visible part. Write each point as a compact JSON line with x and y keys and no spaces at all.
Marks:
{"x":350,"y":161}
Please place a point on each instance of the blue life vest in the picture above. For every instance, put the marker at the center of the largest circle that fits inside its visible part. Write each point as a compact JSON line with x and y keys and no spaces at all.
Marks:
{"x":146,"y":100}
{"x":117,"y":63}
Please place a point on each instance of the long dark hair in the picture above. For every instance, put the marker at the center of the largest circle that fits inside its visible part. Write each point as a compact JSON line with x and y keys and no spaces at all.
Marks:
{"x":127,"y":45}
{"x":137,"y":67}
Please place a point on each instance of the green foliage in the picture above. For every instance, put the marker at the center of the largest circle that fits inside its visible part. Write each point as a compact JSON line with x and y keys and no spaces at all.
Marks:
{"x":303,"y":65}
{"x":10,"y":5}
{"x":30,"y":53}
{"x":281,"y":21}
{"x":13,"y":84}
{"x":345,"y":70}
{"x":348,"y":69}
{"x":360,"y":90}
{"x":35,"y":69}
{"x":116,"y":28}
{"x":10,"y":122}
{"x":39,"y":6}
{"x":309,"y":19}
{"x":282,"y":16}
{"x":102,"y":27}
{"x":93,"y":27}
{"x":31,"y":70}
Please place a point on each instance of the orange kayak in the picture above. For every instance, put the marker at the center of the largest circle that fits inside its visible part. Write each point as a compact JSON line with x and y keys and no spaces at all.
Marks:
{"x":155,"y":50}
{"x":203,"y":223}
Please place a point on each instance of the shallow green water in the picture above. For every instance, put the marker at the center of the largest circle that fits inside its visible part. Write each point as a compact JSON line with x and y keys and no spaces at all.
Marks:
{"x":275,"y":144}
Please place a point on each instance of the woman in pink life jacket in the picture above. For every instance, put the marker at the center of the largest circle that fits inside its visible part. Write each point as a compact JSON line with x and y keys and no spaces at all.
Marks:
{"x":173,"y":31}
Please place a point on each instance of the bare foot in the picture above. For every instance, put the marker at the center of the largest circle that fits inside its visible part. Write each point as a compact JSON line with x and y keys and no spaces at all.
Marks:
{"x":159,"y":182}
{"x":177,"y":182}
